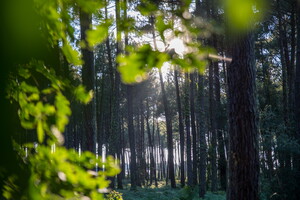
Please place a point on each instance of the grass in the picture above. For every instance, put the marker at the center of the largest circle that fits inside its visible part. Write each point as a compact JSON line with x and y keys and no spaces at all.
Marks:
{"x":167,"y":193}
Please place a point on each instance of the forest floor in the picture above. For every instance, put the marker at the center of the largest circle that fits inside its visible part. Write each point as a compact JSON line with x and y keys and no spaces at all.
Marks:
{"x":167,"y":193}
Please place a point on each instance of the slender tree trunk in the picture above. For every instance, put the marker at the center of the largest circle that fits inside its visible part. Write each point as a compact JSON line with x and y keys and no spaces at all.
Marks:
{"x":88,"y":79}
{"x":202,"y":138}
{"x":243,"y":141}
{"x":150,"y":139}
{"x":117,"y":85}
{"x":284,"y":62}
{"x":154,"y":153}
{"x":188,"y":132}
{"x":142,"y":145}
{"x":291,"y":70}
{"x":212,"y":131}
{"x":138,"y":140}
{"x":161,"y":152}
{"x":201,"y":9}
{"x":193,"y":126}
{"x":181,"y":130}
{"x":169,"y":133}
{"x":113,"y":137}
{"x":297,"y":96}
{"x":219,"y":127}
{"x":133,"y":168}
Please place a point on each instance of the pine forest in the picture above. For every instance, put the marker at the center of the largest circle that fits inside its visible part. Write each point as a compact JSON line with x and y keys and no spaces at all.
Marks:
{"x":149,"y":99}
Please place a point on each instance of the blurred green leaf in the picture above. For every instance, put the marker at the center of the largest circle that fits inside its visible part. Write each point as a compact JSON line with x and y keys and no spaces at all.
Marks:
{"x":71,"y":55}
{"x":243,"y":14}
{"x":40,"y":131}
{"x":24,"y":72}
{"x":135,"y":66}
{"x":161,"y":26}
{"x":82,"y":95}
{"x":28,"y":88}
{"x":33,"y":97}
{"x":191,"y":62}
{"x":97,"y":35}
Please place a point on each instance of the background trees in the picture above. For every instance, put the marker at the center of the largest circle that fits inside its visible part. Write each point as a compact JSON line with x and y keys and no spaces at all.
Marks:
{"x":174,"y":124}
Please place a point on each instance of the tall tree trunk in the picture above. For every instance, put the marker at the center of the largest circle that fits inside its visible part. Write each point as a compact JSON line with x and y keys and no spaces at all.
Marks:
{"x":219,"y":127}
{"x":181,"y":130}
{"x":169,"y":133}
{"x":212,"y":104}
{"x":142,"y":145}
{"x":193,"y":126}
{"x":161,"y":152}
{"x":154,"y":152}
{"x":243,"y":142}
{"x":291,"y":70}
{"x":133,"y":168}
{"x":123,"y":144}
{"x":88,"y":79}
{"x":188,"y":132}
{"x":297,"y":96}
{"x":117,"y":91}
{"x":202,"y":138}
{"x":212,"y":118}
{"x":151,"y":146}
{"x":113,"y":106}
{"x":201,"y":9}
{"x":138,"y":139}
{"x":284,"y":88}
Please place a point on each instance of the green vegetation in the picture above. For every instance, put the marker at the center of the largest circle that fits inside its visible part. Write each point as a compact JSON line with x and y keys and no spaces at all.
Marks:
{"x":166,"y":193}
{"x":87,"y":103}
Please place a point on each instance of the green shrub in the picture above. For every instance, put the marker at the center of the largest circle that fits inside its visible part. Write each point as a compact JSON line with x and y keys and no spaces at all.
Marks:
{"x":187,"y":193}
{"x":114,"y":195}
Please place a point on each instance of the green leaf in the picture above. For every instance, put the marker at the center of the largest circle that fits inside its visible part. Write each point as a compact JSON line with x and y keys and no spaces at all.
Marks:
{"x":27,"y":124}
{"x":161,"y":26}
{"x":135,"y":66}
{"x":24,"y":72}
{"x":71,"y":54}
{"x":98,"y":35}
{"x":40,"y":131}
{"x":243,"y":14}
{"x":34,"y":97}
{"x":49,"y":109}
{"x":62,"y":112}
{"x":82,"y":95}
{"x":28,"y":88}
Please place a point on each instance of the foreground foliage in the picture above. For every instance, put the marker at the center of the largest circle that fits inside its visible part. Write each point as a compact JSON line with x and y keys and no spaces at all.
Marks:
{"x":40,"y":100}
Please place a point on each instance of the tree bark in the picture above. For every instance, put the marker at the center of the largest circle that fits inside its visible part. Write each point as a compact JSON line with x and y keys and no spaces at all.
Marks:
{"x":181,"y":130}
{"x":169,"y":133}
{"x":202,"y":138}
{"x":291,"y":70}
{"x":188,"y":132}
{"x":193,"y":126}
{"x":212,"y":128}
{"x":297,"y":95}
{"x":88,"y":79}
{"x":151,"y":146}
{"x":219,"y":127}
{"x":133,"y":169}
{"x":243,"y":144}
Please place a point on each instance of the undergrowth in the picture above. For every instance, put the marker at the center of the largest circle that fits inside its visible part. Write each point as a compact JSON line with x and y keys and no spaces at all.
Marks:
{"x":167,"y":193}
